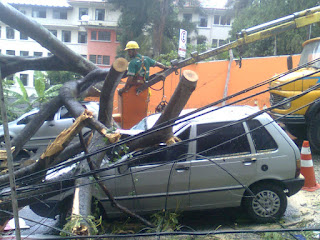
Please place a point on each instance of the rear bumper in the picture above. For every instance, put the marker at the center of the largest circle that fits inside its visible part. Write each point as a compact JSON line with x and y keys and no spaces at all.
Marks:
{"x":294,"y":185}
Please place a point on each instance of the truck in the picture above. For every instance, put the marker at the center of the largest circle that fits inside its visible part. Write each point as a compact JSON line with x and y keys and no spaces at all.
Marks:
{"x":303,"y":123}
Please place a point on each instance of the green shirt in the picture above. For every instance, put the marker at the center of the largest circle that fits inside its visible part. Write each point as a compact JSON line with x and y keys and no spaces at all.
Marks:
{"x":135,"y":69}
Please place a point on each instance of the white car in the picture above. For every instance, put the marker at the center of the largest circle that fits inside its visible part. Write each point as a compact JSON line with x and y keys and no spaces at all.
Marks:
{"x":50,"y":129}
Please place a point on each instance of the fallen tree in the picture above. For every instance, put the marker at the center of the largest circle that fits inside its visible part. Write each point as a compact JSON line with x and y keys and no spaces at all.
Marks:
{"x":60,"y":150}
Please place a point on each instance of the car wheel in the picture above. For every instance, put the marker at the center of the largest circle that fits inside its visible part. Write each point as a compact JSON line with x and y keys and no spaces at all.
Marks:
{"x":314,"y":133}
{"x":268,"y":204}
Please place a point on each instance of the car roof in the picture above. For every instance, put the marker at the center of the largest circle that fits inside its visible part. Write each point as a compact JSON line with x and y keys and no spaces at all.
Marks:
{"x":228,"y":113}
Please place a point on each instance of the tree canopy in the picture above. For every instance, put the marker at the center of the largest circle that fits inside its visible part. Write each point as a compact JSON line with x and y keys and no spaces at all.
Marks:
{"x":249,"y":13}
{"x":154,"y":24}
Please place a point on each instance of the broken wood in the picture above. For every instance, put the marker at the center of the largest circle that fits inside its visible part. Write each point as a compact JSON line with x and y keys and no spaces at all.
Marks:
{"x":179,"y":99}
{"x":104,"y":188}
{"x":119,"y":66}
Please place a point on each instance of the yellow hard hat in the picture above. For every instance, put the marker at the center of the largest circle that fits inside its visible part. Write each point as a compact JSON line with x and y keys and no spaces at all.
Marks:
{"x":132,"y":45}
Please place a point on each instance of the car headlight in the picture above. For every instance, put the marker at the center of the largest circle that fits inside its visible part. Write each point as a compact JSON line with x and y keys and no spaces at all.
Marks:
{"x":286,"y":105}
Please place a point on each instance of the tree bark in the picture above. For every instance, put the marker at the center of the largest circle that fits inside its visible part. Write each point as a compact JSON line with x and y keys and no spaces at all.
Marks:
{"x":82,"y":195}
{"x":15,"y":19}
{"x":180,"y":97}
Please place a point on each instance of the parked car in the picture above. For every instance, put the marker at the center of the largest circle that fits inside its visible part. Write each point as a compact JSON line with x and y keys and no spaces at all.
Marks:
{"x":50,"y":129}
{"x":252,"y":163}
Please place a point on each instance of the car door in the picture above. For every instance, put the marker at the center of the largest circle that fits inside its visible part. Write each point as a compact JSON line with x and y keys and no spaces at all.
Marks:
{"x":53,"y":126}
{"x":158,"y":180}
{"x":223,"y":165}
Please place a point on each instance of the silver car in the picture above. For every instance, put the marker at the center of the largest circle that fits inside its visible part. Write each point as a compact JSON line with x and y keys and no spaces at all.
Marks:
{"x":251,"y":163}
{"x":51,"y":127}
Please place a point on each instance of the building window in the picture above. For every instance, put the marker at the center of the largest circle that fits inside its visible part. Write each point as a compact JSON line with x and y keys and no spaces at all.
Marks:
{"x":23,"y":11}
{"x":82,"y":12}
{"x":10,"y":33}
{"x":60,"y":14}
{"x":214,"y":43}
{"x":84,"y":56}
{"x":187,"y":17}
{"x":24,"y":79}
{"x":11,"y":52}
{"x":54,"y":32}
{"x":39,"y":13}
{"x":24,"y":53}
{"x":66,"y":36}
{"x":100,"y":14}
{"x":23,"y":36}
{"x":216,"y":19}
{"x":222,"y":42}
{"x":106,"y":60}
{"x":225,"y":20}
{"x":94,"y":35}
{"x":82,"y":37}
{"x":118,"y":37}
{"x":49,"y":54}
{"x":93,"y":58}
{"x":37,"y":54}
{"x":203,"y":21}
{"x":104,"y":36}
{"x":100,"y":59}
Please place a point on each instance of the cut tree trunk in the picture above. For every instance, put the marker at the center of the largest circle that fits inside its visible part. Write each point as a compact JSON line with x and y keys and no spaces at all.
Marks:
{"x":179,"y":99}
{"x":82,"y":196}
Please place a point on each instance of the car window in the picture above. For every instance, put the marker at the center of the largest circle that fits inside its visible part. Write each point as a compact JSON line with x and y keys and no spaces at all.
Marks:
{"x":154,"y":158}
{"x":64,"y":113}
{"x":220,"y":142}
{"x":26,"y":119}
{"x":170,"y":154}
{"x":261,"y":137}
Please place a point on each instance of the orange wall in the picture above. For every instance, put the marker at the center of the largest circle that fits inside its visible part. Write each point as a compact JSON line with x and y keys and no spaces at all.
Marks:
{"x":212,"y":78}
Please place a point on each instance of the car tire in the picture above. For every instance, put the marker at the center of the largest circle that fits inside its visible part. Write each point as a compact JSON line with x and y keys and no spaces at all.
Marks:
{"x":273,"y":203}
{"x":314,"y":133}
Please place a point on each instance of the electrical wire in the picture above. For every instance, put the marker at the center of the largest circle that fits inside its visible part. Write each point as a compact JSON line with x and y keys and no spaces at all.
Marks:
{"x":184,"y":116}
{"x":313,"y":73}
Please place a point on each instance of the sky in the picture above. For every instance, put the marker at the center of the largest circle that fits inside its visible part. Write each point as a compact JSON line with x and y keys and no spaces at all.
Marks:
{"x":213,"y":3}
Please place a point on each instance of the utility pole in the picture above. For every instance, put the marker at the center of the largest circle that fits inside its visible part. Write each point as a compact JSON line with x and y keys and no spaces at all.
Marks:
{"x":9,"y":162}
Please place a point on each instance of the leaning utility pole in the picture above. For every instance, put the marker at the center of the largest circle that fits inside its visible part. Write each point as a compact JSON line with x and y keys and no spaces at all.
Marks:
{"x":9,"y":162}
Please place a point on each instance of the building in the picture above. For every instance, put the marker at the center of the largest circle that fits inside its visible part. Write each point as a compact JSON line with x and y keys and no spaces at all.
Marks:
{"x":89,"y":27}
{"x":213,"y":22}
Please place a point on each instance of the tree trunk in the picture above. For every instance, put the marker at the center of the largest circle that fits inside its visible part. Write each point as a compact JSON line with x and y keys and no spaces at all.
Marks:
{"x":181,"y":95}
{"x":15,"y":19}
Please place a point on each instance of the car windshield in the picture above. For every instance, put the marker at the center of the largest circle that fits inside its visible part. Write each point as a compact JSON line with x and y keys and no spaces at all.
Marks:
{"x":310,"y":52}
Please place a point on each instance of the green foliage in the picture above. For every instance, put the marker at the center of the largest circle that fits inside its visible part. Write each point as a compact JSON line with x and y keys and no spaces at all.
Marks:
{"x":166,"y":221}
{"x":60,"y":77}
{"x":152,"y":23}
{"x":22,"y":98}
{"x":253,"y":12}
{"x":44,"y":95}
{"x":75,"y":221}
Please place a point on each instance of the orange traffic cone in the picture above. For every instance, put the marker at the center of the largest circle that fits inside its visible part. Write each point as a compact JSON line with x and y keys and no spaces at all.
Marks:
{"x":307,"y":170}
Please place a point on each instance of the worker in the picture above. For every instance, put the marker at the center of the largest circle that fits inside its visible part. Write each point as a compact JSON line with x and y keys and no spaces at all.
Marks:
{"x":138,"y":69}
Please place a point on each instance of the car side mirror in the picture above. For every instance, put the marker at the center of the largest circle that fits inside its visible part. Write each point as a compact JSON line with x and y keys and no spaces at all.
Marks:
{"x":289,"y":62}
